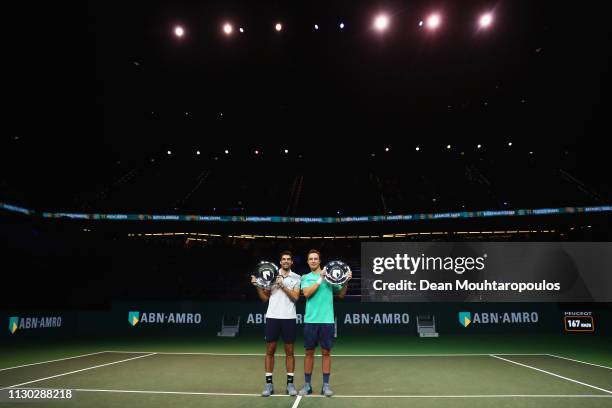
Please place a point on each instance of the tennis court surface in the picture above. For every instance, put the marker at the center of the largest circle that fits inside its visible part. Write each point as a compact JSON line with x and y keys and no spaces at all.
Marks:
{"x":221,"y":378}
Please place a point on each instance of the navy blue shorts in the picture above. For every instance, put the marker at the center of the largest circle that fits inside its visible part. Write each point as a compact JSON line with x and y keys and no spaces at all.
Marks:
{"x":322,"y":333}
{"x":285,"y":328}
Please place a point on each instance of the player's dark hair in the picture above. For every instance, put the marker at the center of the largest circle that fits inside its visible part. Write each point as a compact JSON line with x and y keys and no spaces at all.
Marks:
{"x":286,"y":253}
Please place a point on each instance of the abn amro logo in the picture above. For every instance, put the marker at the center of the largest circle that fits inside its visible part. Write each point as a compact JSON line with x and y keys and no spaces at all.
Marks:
{"x":13,"y":324}
{"x":133,"y":318}
{"x":465,"y":318}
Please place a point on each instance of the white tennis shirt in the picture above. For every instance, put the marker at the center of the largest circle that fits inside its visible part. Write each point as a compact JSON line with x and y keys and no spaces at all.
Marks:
{"x":280,"y":305}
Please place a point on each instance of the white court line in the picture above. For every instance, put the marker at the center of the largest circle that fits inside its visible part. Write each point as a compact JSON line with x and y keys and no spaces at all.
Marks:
{"x":280,"y":354}
{"x":52,"y":361}
{"x":213,"y":394}
{"x":188,"y":354}
{"x":222,"y":394}
{"x":477,"y":396}
{"x":553,"y":374}
{"x":578,"y":361}
{"x":75,"y":371}
{"x":297,"y":401}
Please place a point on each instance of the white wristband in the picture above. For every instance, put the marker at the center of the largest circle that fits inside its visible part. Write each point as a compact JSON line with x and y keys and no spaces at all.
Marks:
{"x":320,"y":280}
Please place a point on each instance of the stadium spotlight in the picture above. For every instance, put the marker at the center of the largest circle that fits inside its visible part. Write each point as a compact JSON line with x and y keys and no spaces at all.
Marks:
{"x":179,"y":31}
{"x":227,"y":28}
{"x":485,"y":20}
{"x":278,"y":27}
{"x":433,"y":21}
{"x":381,"y":22}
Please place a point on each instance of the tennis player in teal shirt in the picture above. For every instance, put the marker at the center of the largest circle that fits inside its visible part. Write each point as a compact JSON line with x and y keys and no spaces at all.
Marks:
{"x":319,"y":320}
